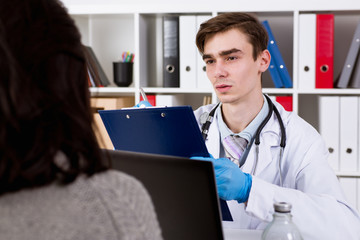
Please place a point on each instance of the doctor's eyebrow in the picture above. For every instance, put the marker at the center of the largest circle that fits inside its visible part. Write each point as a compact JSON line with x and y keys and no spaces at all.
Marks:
{"x":222,"y":53}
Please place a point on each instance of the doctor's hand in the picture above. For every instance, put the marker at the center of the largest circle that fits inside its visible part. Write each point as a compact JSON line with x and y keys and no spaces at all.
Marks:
{"x":143,"y":104}
{"x":232,"y":183}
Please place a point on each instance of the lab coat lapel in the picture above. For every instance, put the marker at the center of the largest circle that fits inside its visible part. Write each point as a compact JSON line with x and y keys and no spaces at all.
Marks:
{"x":213,"y":140}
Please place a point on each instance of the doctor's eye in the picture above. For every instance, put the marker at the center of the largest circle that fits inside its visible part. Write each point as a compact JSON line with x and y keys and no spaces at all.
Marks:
{"x":231,"y":58}
{"x":209,"y":61}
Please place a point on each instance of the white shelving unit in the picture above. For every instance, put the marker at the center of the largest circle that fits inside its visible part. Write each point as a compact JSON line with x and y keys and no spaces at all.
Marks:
{"x":112,"y":26}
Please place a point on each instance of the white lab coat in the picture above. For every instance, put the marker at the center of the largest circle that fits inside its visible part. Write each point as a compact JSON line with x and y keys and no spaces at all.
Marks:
{"x":319,"y":207}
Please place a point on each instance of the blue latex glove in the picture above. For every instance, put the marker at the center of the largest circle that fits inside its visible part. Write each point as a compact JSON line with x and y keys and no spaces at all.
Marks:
{"x":232,"y":183}
{"x":143,"y":104}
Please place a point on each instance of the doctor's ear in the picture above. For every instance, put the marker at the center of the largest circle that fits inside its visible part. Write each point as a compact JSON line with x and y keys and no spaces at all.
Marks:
{"x":264,"y":60}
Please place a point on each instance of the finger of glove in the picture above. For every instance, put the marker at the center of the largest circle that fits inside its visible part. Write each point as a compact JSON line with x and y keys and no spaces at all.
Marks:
{"x":224,"y":163}
{"x":203,"y":158}
{"x":232,"y":184}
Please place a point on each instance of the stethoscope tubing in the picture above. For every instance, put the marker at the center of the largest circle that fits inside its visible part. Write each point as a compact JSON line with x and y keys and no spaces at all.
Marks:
{"x":205,"y":129}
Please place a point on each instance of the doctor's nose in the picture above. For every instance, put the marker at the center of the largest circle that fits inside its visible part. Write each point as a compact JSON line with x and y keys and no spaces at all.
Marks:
{"x":220,"y":70}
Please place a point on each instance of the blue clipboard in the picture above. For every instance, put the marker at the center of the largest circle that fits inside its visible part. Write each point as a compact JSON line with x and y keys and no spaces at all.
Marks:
{"x":159,"y":130}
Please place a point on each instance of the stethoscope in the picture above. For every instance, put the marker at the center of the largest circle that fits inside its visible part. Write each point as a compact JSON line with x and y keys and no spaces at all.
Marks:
{"x":206,"y":125}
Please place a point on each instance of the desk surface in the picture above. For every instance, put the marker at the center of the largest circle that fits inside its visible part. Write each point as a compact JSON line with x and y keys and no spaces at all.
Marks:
{"x":236,"y":234}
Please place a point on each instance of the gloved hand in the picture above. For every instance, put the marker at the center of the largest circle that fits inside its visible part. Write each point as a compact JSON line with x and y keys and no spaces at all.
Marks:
{"x":232,"y":183}
{"x":143,"y":104}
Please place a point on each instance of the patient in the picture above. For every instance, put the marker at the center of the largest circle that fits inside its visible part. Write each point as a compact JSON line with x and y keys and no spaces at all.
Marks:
{"x":54,"y":182}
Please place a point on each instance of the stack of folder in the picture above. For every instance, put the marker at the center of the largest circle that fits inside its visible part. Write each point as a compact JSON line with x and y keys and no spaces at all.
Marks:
{"x":316,"y":51}
{"x":338,"y":125}
{"x":183,"y":65}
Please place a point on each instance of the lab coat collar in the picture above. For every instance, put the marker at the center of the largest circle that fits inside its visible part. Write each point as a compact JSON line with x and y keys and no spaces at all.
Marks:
{"x":269,"y":138}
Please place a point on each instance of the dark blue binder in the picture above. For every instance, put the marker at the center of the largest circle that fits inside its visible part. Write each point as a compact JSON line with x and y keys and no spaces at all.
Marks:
{"x":158,"y":130}
{"x":276,"y":55}
{"x":275,"y":76}
{"x":165,"y":130}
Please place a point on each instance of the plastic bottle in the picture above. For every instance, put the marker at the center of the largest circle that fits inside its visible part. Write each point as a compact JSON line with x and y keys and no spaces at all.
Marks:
{"x":282,"y":226}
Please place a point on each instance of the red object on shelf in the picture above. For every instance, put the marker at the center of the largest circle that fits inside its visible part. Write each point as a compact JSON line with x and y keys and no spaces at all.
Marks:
{"x":324,"y":51}
{"x":151,"y":98}
{"x":286,"y":102}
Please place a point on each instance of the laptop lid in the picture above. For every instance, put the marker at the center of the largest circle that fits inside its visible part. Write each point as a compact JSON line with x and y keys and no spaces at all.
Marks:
{"x":183,"y":192}
{"x":159,"y":130}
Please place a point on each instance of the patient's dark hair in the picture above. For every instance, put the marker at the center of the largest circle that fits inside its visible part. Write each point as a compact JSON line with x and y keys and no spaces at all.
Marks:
{"x":44,"y":97}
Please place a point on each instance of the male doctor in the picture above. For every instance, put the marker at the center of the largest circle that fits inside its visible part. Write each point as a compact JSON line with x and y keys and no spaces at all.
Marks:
{"x":233,"y":46}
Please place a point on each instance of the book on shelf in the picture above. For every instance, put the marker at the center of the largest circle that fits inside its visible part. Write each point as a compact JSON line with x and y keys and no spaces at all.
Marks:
{"x":207,"y":100}
{"x":347,"y":73}
{"x":96,"y":74}
{"x":277,"y":58}
{"x":286,"y":102}
{"x":307,"y":50}
{"x":329,"y":127}
{"x":151,"y":99}
{"x":202,"y":81}
{"x":171,"y":51}
{"x":324,"y":73}
{"x":188,"y":51}
{"x":274,"y":73}
{"x":355,"y":77}
{"x":192,"y":67}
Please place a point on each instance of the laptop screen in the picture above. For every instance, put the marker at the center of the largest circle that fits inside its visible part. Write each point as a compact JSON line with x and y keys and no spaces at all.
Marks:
{"x":183,"y":192}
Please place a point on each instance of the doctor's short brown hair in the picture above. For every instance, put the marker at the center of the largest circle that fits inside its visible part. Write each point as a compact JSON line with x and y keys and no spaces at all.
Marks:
{"x":244,"y":22}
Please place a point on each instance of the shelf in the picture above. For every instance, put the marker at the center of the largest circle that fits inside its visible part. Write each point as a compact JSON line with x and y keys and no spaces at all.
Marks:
{"x":111,"y":91}
{"x":348,"y":174}
{"x":145,"y":6}
{"x":331,"y":91}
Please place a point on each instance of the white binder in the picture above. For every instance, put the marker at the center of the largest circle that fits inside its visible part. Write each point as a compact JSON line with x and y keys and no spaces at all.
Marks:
{"x":202,"y":80}
{"x":307,"y":50}
{"x":170,"y":100}
{"x":188,"y":51}
{"x":349,"y":130}
{"x":329,"y":124}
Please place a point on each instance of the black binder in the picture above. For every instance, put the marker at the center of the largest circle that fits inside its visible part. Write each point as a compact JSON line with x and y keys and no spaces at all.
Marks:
{"x":171,"y":51}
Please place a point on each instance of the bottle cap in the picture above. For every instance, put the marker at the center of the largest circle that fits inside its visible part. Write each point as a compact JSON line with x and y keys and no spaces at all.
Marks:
{"x":282,"y":207}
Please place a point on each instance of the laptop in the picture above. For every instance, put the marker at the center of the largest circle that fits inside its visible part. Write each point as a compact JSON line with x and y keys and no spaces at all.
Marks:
{"x":183,"y":192}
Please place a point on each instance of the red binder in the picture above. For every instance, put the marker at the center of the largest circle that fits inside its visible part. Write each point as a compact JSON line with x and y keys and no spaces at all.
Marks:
{"x":286,"y":102}
{"x":324,"y":51}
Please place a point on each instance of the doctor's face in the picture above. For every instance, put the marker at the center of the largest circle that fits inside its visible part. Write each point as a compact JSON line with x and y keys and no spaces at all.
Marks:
{"x":231,"y":68}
